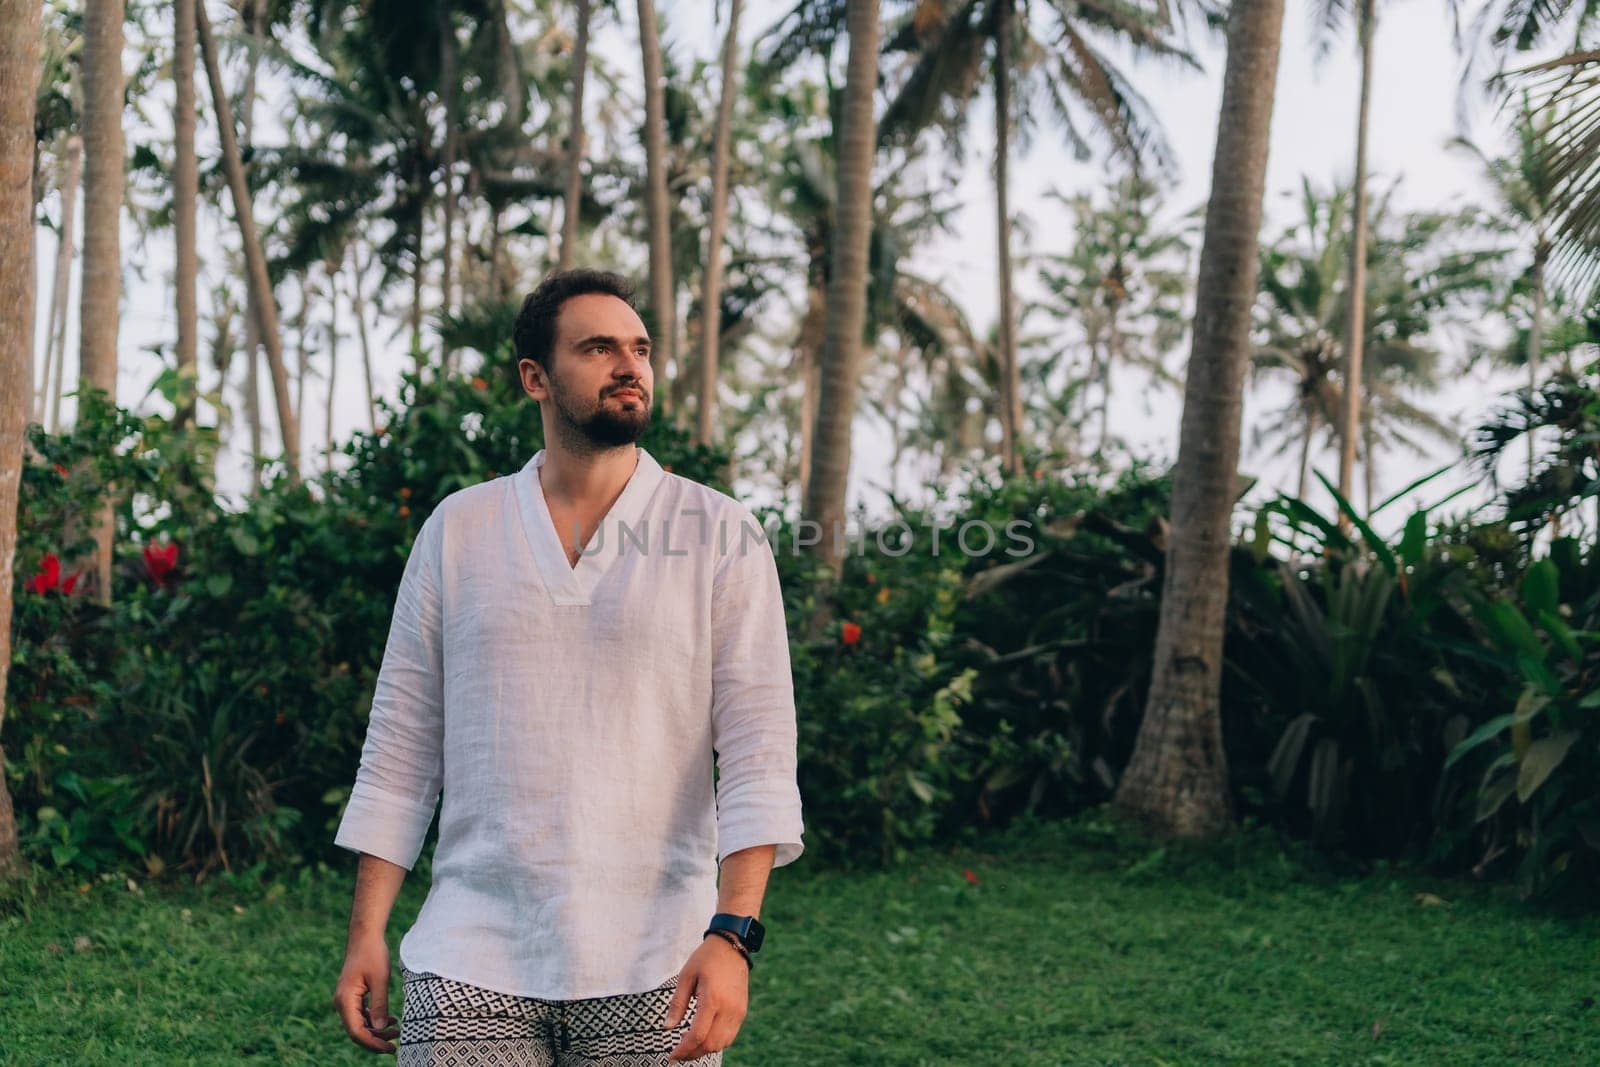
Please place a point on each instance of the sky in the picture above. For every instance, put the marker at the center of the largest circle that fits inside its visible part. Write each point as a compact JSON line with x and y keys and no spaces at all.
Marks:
{"x":1414,"y":113}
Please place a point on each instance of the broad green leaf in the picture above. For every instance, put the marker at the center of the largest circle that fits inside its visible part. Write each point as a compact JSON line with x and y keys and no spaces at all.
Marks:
{"x":1542,"y":758}
{"x":1478,"y":737}
{"x":1286,"y":756}
{"x":1415,"y":538}
{"x":1539,"y":587}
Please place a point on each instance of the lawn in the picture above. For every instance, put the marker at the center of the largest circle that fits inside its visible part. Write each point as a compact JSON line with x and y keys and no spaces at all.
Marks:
{"x":1071,"y":943}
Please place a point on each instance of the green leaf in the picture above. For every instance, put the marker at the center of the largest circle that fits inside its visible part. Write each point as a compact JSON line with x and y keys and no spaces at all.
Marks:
{"x":1496,"y":790}
{"x":922,"y":789}
{"x":1478,"y":737}
{"x":1286,"y":756}
{"x":1561,"y":633}
{"x":245,"y":542}
{"x":1543,"y":757}
{"x":1539,"y":588}
{"x":218,"y":583}
{"x":1415,"y":538}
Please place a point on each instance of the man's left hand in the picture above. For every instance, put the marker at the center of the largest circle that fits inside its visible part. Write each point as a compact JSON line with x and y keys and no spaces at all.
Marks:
{"x":717,"y":977}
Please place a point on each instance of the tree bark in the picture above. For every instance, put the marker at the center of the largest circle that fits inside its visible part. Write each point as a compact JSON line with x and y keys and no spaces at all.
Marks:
{"x":711,"y":291}
{"x":574,"y":191}
{"x":333,"y":362}
{"x":808,"y":346}
{"x":1010,"y":378}
{"x":847,"y":288}
{"x":19,"y":75}
{"x":302,"y":357}
{"x":1355,"y":323}
{"x":658,"y":209}
{"x":255,"y":260}
{"x":102,"y":245}
{"x":252,"y":332}
{"x":359,"y":308}
{"x":1536,"y":334}
{"x":1305,"y":452}
{"x":61,"y":288}
{"x":447,"y":89}
{"x":1177,"y":780}
{"x":185,"y":194}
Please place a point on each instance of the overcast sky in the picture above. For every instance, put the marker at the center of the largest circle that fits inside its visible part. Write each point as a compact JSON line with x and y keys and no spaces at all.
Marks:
{"x":1414,"y":113}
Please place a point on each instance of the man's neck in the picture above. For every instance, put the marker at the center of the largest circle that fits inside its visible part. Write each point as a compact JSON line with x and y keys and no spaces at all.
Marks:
{"x":587,"y":477}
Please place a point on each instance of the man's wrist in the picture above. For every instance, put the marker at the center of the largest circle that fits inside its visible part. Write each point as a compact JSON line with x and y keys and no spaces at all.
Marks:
{"x":733,"y":942}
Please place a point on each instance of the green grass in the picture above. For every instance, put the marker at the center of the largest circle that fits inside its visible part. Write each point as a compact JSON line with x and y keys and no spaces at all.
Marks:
{"x":1079,"y":944}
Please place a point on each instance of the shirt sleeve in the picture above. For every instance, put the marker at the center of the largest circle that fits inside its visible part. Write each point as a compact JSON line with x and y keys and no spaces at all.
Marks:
{"x":402,"y":760}
{"x":752,"y":703}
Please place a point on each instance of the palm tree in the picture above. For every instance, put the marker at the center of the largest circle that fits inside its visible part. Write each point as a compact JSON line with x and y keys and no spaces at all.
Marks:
{"x":1420,"y":284}
{"x":1057,"y":59}
{"x":19,"y":72}
{"x":1124,"y":284}
{"x":1331,"y":12}
{"x":48,"y":409}
{"x":847,"y":286}
{"x":711,"y":292}
{"x":1177,"y":779}
{"x":580,"y":64}
{"x":185,"y":193}
{"x":663,"y":302}
{"x":1523,"y":185}
{"x":1566,"y":91}
{"x":102,"y":220}
{"x":255,"y":259}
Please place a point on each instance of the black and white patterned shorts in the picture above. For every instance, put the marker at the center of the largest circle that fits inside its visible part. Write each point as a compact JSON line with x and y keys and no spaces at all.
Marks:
{"x":449,"y":1023}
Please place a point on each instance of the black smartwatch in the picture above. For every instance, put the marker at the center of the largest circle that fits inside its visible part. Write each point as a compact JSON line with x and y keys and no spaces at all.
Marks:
{"x":747,"y":928}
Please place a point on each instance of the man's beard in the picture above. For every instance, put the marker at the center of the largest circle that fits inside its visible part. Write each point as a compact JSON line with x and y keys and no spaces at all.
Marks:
{"x":603,"y":426}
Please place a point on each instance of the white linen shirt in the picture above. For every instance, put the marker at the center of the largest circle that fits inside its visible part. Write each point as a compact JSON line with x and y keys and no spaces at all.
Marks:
{"x":569,"y":715}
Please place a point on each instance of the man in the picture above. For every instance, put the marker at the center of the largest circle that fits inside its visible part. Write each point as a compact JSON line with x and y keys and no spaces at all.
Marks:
{"x":570,"y":647}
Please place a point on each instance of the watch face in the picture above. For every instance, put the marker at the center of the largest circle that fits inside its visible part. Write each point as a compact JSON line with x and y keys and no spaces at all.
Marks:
{"x":756,"y":935}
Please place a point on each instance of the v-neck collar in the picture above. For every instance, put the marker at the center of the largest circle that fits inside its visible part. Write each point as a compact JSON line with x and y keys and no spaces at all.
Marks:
{"x":569,"y":585}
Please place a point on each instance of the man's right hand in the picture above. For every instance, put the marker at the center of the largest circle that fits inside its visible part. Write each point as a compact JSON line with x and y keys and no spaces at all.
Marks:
{"x":366,"y":974}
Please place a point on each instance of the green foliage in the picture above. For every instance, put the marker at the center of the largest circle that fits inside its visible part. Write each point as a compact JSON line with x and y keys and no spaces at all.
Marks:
{"x":986,"y":656}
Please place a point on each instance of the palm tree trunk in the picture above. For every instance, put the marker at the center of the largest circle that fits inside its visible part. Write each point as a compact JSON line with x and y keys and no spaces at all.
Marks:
{"x":808,"y":348}
{"x":1536,"y":334}
{"x":711,"y":292}
{"x":847,"y":289}
{"x":255,"y":260}
{"x":61,"y":288}
{"x":416,"y":290}
{"x":185,"y":194}
{"x":1305,"y":453}
{"x":249,"y":15}
{"x":359,"y":307}
{"x":574,"y":192}
{"x":657,"y":207}
{"x":333,"y":362}
{"x":1355,"y":323}
{"x":1010,"y":381}
{"x":102,"y":247}
{"x":19,"y":76}
{"x":1369,"y":454}
{"x":447,"y":81}
{"x":1177,"y":779}
{"x":301,"y":358}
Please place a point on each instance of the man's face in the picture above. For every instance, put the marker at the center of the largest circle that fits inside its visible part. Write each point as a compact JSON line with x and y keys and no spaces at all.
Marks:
{"x":599,"y":382}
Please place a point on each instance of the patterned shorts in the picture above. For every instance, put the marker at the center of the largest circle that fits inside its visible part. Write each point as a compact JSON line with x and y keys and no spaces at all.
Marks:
{"x":448,"y":1023}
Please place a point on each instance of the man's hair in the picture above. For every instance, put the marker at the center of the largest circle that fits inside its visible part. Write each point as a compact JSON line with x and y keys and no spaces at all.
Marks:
{"x":534,"y":336}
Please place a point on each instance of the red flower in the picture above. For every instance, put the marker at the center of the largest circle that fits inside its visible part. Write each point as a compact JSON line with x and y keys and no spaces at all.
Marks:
{"x":59,"y":469}
{"x":71,"y":582}
{"x":849,"y":633}
{"x":969,"y":876}
{"x":49,"y":575}
{"x":159,"y":560}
